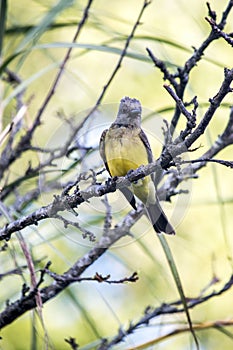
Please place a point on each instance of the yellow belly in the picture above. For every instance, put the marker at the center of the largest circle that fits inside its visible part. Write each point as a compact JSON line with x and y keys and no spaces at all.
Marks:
{"x":125,"y":151}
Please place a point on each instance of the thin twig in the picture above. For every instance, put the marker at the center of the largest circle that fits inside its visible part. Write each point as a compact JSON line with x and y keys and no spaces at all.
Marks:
{"x":25,"y":141}
{"x":61,"y":203}
{"x":63,"y":64}
{"x":164,"y":309}
{"x":219,"y":32}
{"x":214,"y":104}
{"x":118,"y":65}
{"x":226,"y":163}
{"x":27,"y":302}
{"x":96,"y":278}
{"x":182,"y":73}
{"x":62,"y":151}
{"x":72,"y":342}
{"x":162,"y":66}
{"x":196,"y":326}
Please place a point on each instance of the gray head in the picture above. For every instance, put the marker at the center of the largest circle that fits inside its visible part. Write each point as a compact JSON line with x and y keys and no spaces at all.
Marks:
{"x":129,"y":112}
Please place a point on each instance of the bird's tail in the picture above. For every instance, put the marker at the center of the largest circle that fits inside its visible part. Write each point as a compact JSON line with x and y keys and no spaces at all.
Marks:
{"x":159,"y":219}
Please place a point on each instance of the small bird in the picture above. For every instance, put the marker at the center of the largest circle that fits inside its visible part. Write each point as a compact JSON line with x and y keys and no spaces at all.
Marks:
{"x":124,"y":147}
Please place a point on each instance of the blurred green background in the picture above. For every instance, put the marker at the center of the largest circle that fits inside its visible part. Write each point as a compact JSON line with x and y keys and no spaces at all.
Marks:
{"x":202,"y":247}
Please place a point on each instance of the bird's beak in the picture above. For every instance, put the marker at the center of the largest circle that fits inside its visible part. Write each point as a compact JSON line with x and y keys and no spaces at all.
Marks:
{"x":135,"y":111}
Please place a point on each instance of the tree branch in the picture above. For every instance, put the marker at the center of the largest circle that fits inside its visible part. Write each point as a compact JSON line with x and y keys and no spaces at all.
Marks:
{"x":63,"y":202}
{"x":28,"y":302}
{"x":25,"y":141}
{"x":214,"y":104}
{"x":165,"y":309}
{"x":182,"y":73}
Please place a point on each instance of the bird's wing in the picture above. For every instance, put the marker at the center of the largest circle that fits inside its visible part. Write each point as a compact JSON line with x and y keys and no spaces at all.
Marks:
{"x":145,"y":141}
{"x":102,"y":149}
{"x":125,"y":191}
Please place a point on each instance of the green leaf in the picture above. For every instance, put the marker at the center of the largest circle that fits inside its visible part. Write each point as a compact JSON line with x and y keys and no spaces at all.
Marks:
{"x":175,"y":274}
{"x":101,"y":48}
{"x":21,"y":29}
{"x":3,"y":12}
{"x":163,"y":41}
{"x":85,"y":314}
{"x":224,"y":331}
{"x":9,"y":59}
{"x":177,"y":46}
{"x":34,"y":34}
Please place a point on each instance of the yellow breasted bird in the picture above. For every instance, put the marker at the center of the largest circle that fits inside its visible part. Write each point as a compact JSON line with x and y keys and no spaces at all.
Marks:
{"x":123,"y":147}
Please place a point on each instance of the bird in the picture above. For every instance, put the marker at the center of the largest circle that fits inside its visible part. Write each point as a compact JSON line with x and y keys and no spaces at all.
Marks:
{"x":125,"y":147}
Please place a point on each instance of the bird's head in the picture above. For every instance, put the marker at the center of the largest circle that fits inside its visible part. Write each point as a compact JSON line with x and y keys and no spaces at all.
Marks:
{"x":129,"y":112}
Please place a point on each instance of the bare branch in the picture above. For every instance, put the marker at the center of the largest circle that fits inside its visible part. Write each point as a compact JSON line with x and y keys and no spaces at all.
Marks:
{"x":191,"y":117}
{"x":161,"y":65}
{"x":28,"y":302}
{"x":63,"y":202}
{"x":85,"y":233}
{"x":183,"y":73}
{"x":70,"y":196}
{"x":118,"y":65}
{"x":72,"y":342}
{"x":219,"y":32}
{"x":165,"y":309}
{"x":96,"y":278}
{"x":214,"y":104}
{"x":226,"y":163}
{"x":25,"y":141}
